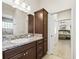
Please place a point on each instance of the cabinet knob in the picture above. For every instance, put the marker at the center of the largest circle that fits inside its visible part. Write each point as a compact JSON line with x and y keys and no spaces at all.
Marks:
{"x":51,"y":35}
{"x":24,"y":54}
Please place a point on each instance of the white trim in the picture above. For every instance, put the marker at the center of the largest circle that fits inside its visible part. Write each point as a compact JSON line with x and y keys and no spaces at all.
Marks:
{"x":73,"y":34}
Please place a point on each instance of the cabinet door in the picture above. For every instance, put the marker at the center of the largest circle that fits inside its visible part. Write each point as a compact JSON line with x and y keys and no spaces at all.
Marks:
{"x":31,"y":53}
{"x":39,"y":22}
{"x":19,"y":56}
{"x":28,"y":54}
{"x":45,"y":47}
{"x":39,"y":51}
{"x":39,"y":48}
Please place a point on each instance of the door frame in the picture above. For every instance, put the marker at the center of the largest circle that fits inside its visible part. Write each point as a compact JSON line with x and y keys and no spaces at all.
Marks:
{"x":73,"y":31}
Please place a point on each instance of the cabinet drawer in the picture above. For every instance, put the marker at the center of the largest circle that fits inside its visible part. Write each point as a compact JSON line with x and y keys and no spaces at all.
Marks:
{"x":45,"y":47}
{"x":39,"y":48}
{"x":11,"y":52}
{"x":28,"y":54}
{"x":18,"y":56}
{"x":39,"y":41}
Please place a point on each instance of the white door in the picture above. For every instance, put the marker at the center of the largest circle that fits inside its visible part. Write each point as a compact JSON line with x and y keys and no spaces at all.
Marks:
{"x":52,"y":32}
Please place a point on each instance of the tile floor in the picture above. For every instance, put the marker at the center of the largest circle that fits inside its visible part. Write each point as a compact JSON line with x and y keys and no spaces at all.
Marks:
{"x":61,"y":50}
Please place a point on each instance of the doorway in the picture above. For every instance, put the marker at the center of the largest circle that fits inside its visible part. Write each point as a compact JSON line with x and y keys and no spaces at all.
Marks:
{"x":59,"y":35}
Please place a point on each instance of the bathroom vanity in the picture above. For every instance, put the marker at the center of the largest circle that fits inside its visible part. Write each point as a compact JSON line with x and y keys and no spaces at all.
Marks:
{"x":34,"y":47}
{"x":29,"y":49}
{"x":26,"y":51}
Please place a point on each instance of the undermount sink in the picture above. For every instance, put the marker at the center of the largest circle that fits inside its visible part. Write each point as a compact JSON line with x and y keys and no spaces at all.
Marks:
{"x":23,"y":40}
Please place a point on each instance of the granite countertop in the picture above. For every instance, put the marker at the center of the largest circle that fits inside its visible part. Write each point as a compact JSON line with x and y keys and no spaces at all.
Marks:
{"x":9,"y":44}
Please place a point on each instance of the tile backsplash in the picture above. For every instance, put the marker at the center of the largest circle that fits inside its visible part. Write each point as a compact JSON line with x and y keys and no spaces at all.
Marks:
{"x":11,"y":37}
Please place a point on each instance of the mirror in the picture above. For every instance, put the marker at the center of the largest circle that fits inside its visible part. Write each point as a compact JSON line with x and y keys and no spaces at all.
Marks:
{"x":14,"y":21}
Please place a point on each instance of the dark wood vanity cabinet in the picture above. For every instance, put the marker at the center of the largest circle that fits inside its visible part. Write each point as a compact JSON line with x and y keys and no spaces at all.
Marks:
{"x":40,"y":49}
{"x":41,"y":26}
{"x":41,"y":22}
{"x":28,"y":54}
{"x":30,"y":23}
{"x":33,"y":50}
{"x":27,"y":51}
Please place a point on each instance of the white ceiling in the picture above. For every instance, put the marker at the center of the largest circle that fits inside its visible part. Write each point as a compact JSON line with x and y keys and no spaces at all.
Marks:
{"x":50,"y":5}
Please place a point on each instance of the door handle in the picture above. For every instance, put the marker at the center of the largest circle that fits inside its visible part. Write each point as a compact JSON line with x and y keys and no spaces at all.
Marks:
{"x":51,"y":35}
